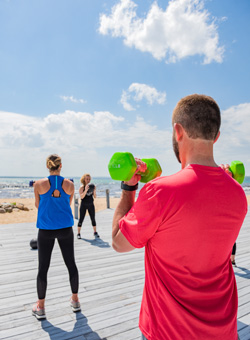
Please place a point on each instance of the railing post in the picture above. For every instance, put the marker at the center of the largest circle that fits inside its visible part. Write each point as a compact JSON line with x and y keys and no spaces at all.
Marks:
{"x":76,"y":206}
{"x":107,"y":198}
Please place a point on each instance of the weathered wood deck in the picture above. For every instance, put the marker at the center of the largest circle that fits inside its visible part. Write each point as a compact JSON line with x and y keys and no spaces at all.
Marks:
{"x":110,"y":287}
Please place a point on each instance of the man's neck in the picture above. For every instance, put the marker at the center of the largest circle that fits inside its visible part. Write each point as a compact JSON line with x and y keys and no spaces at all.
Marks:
{"x":200,"y":161}
{"x":199,"y":152}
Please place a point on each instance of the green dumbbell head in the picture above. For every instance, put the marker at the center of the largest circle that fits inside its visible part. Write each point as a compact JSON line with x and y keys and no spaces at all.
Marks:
{"x":122,"y":166}
{"x":238,"y":170}
{"x":153,"y":170}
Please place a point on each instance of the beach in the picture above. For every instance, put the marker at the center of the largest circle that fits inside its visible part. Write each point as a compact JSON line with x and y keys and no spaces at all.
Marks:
{"x":21,"y":216}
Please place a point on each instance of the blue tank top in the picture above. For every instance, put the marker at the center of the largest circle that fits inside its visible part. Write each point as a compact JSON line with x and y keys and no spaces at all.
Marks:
{"x":54,"y":212}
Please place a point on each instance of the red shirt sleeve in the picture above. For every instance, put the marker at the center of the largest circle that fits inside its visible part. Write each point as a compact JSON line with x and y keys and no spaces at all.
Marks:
{"x":143,"y":219}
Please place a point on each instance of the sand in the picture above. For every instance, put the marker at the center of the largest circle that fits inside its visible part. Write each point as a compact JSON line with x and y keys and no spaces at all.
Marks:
{"x":20,"y":216}
{"x":248,"y":200}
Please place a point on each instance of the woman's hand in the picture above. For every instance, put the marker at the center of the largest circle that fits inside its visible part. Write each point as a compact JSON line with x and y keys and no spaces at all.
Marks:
{"x":86,"y":188}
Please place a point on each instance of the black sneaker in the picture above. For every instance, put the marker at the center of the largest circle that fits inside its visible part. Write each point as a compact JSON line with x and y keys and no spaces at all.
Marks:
{"x":96,"y":235}
{"x":234,"y":263}
{"x":79,"y":236}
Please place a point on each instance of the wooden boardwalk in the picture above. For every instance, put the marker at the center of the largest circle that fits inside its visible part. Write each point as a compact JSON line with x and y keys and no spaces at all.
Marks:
{"x":110,"y":287}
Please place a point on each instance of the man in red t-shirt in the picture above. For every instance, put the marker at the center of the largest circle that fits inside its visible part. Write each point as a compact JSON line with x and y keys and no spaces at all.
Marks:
{"x":188,"y":223}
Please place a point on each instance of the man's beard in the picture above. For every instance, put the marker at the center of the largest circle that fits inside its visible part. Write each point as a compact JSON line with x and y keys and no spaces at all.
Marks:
{"x":176,"y":148}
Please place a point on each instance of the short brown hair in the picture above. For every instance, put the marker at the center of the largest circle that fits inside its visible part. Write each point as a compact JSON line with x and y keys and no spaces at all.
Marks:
{"x":199,"y":115}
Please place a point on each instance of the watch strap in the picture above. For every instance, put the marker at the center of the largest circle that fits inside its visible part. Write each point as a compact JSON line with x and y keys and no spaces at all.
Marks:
{"x":129,"y":187}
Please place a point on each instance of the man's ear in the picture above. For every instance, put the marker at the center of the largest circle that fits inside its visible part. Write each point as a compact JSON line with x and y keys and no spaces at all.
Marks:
{"x":217,"y":137}
{"x":178,"y":131}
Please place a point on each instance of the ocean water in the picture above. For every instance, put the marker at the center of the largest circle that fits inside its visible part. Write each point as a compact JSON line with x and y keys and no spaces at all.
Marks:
{"x":18,"y":187}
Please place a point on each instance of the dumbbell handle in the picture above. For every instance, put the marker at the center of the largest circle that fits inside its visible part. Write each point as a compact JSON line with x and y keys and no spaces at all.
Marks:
{"x":31,"y":183}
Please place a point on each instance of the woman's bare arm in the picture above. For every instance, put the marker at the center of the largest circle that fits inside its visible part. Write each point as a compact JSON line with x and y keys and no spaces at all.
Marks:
{"x":36,"y":192}
{"x":83,"y":192}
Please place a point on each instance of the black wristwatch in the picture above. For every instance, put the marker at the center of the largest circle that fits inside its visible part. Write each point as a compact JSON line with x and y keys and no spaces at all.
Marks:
{"x":129,"y":187}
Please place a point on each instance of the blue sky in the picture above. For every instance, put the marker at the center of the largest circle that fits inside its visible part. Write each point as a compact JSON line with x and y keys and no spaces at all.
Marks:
{"x":85,"y":79}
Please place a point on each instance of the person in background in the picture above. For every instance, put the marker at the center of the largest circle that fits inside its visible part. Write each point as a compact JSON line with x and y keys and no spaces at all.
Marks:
{"x":53,"y":197}
{"x":87,"y":194}
{"x":188,"y":223}
{"x":226,"y":168}
{"x":233,"y":255}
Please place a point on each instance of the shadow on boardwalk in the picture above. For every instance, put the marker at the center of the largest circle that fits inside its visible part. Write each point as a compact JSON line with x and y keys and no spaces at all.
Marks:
{"x":81,"y":327}
{"x":97,"y":242}
{"x":245,"y":274}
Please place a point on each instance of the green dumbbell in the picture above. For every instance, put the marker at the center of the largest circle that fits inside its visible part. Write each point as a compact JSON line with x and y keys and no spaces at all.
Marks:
{"x":122,"y":167}
{"x":238,"y":170}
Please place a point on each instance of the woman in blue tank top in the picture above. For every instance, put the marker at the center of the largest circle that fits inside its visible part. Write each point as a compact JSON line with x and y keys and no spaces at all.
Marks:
{"x":53,"y":197}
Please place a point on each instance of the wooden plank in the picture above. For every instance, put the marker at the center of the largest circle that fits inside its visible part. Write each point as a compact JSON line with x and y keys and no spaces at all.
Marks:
{"x":110,"y":287}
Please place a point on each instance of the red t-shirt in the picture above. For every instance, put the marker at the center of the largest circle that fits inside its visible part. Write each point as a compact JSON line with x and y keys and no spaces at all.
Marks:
{"x":188,"y":223}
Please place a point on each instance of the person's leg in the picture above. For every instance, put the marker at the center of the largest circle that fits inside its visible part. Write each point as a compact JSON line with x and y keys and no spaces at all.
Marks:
{"x":143,"y":337}
{"x":81,"y":219}
{"x":91,"y":210}
{"x":233,"y":254}
{"x":66,"y":243}
{"x":45,"y":242}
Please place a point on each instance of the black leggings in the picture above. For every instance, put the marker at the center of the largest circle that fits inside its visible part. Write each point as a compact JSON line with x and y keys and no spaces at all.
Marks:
{"x":91,"y":210}
{"x":46,"y":241}
{"x":234,"y":249}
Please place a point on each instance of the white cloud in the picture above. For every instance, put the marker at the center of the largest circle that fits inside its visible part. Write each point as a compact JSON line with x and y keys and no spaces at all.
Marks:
{"x":137,"y":92}
{"x":124,"y":101}
{"x":86,"y":141}
{"x":73,"y":100}
{"x":184,"y":29}
{"x":234,"y":142}
{"x":83,"y":139}
{"x":19,"y":130}
{"x":236,"y":124}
